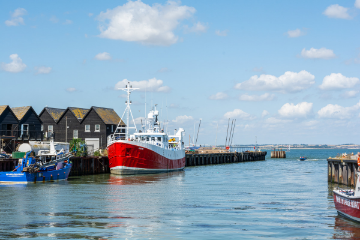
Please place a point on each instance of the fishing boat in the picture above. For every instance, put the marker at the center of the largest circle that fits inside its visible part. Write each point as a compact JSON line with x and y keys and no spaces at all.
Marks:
{"x":31,"y":169}
{"x":303,"y":158}
{"x":347,"y":202}
{"x":150,"y":150}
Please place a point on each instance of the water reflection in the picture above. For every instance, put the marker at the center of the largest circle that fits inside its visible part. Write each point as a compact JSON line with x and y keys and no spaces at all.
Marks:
{"x":346,"y":229}
{"x":145,"y":178}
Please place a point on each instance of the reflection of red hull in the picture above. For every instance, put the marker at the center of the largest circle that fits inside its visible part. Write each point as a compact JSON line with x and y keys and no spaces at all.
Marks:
{"x":348,"y":207}
{"x":126,"y":157}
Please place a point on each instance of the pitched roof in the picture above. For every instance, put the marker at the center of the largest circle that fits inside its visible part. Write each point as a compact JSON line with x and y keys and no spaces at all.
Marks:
{"x":79,"y":112}
{"x":108,"y":115}
{"x":55,"y":113}
{"x":20,"y":111}
{"x":2,"y":108}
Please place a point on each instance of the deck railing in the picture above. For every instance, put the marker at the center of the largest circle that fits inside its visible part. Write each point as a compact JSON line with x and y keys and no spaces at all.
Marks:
{"x":22,"y":135}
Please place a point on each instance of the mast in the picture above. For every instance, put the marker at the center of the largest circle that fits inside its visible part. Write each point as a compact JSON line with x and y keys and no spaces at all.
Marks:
{"x":128,"y":89}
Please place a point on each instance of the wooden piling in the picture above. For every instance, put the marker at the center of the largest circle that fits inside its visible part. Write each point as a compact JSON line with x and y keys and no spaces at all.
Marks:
{"x":342,"y":171}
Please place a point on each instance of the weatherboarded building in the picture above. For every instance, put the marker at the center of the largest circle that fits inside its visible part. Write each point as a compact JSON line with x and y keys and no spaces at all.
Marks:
{"x":93,"y":125}
{"x":29,"y":123}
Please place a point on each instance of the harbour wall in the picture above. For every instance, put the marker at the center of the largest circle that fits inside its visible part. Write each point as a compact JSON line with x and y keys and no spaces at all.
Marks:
{"x":220,"y":158}
{"x":342,"y":171}
{"x":97,"y":165}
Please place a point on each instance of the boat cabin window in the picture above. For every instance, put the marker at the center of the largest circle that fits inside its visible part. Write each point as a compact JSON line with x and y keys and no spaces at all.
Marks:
{"x":143,"y":138}
{"x":159,"y":139}
{"x":152,"y":138}
{"x":147,"y":138}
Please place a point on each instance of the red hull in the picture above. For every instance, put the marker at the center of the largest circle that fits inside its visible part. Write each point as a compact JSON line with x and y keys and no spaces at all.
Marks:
{"x":127,"y":158}
{"x":349,"y":207}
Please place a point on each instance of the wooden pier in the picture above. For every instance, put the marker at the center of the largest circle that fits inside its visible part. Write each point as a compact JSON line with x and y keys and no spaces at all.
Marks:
{"x":199,"y":159}
{"x":97,"y":165}
{"x":342,"y":170}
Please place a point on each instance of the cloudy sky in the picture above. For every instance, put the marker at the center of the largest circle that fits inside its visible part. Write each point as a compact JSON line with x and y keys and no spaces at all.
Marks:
{"x":287,"y":71}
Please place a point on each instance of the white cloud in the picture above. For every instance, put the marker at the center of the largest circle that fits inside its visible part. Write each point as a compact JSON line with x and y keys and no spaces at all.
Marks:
{"x":16,"y":18}
{"x":357,"y":4}
{"x":219,"y":96}
{"x":182,"y":119}
{"x":238,"y":113}
{"x":221,"y":33}
{"x":103,"y":56}
{"x":337,"y":111}
{"x":273,"y":120}
{"x":197,"y":28}
{"x":321,"y":53}
{"x":137,"y":21}
{"x":90,"y":14}
{"x":54,"y":19}
{"x":15,"y":66}
{"x":71,"y":89}
{"x":263,"y":97}
{"x":67,"y":21}
{"x":288,"y":82}
{"x":151,"y":85}
{"x":43,"y":70}
{"x":264,"y":113}
{"x":295,"y":33}
{"x":338,"y":81}
{"x":310,"y":124}
{"x":350,"y":94}
{"x":290,"y":110}
{"x":337,"y":11}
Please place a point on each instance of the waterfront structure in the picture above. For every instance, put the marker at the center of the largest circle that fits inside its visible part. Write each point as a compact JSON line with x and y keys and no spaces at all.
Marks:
{"x":93,"y":125}
{"x":29,"y":123}
{"x":18,"y":125}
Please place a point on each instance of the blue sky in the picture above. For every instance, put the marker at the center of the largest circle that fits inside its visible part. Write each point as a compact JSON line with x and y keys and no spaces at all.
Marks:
{"x":288,"y":71}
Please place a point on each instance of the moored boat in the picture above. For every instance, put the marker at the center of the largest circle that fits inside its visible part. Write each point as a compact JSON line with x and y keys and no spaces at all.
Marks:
{"x":30,"y":169}
{"x":150,"y":150}
{"x":347,"y":202}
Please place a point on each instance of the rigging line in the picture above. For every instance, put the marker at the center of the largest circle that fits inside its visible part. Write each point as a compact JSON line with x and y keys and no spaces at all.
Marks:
{"x":233,"y":134}
{"x":227,"y":132}
{"x":231,"y":127}
{"x":198,"y":132}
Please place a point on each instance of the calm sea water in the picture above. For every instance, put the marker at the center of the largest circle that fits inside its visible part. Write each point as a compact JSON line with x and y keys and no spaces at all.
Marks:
{"x":272,"y":199}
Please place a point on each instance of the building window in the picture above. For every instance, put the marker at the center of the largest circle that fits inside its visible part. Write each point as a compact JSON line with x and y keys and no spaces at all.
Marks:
{"x":97,"y":127}
{"x":112,"y":128}
{"x":50,"y":128}
{"x":42,"y":127}
{"x":87,"y":128}
{"x":75,"y":134}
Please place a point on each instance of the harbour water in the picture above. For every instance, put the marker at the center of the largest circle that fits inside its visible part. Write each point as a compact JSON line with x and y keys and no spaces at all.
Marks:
{"x":272,"y":199}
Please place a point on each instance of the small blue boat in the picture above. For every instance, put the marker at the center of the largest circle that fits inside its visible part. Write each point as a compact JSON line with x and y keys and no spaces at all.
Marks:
{"x":303,"y":158}
{"x":31,"y":170}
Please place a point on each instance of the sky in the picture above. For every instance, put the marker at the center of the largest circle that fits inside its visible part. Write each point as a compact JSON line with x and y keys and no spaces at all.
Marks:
{"x":287,"y":71}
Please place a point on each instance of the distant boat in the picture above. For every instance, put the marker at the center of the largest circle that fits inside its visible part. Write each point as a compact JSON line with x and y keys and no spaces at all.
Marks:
{"x":303,"y":158}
